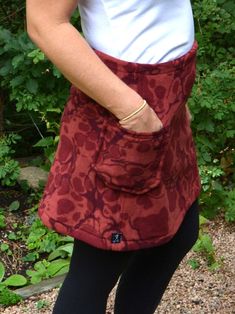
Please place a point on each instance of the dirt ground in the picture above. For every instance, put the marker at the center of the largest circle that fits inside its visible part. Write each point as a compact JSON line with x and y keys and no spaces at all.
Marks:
{"x":189,"y":292}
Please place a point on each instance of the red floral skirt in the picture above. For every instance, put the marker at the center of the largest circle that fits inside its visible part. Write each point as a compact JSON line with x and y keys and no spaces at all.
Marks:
{"x":118,"y":189}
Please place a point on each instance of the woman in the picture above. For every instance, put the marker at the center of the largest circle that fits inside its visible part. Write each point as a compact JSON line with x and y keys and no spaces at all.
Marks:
{"x":124,"y":182}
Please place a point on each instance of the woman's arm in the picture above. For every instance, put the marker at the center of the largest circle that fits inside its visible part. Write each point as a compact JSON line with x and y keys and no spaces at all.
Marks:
{"x":48,"y":25}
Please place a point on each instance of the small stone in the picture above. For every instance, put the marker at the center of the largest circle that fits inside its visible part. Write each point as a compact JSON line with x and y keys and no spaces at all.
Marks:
{"x":33,"y":175}
{"x":196,"y":301}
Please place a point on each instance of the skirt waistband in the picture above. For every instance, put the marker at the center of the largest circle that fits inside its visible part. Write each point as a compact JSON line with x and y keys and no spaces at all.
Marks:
{"x":118,"y":65}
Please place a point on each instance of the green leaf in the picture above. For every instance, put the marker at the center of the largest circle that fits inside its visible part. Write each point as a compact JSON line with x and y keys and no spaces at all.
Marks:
{"x":36,"y":279}
{"x":207,"y":243}
{"x":35,"y":235}
{"x":230,"y":133}
{"x":12,"y":236}
{"x":31,"y":273}
{"x":31,"y":257}
{"x":44,"y":142}
{"x":4,"y":247}
{"x":68,"y":248}
{"x":41,"y":266}
{"x":5,"y":69}
{"x":56,"y":266}
{"x":63,"y":270}
{"x":197,"y":247}
{"x":2,"y":271}
{"x":57,"y":110}
{"x":2,"y":218}
{"x":16,"y":81}
{"x":15,"y":281}
{"x":17,"y":60}
{"x":14,"y":206}
{"x":37,"y":55}
{"x":193,"y":263}
{"x":66,"y":239}
{"x":32,"y":86}
{"x":203,"y":220}
{"x":56,"y":72}
{"x":206,"y":156}
{"x":41,"y":304}
{"x":214,"y":266}
{"x":5,"y":35}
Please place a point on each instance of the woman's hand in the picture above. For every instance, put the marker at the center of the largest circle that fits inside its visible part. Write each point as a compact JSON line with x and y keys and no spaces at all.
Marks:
{"x":147,"y":120}
{"x":144,"y":121}
{"x":188,"y":113}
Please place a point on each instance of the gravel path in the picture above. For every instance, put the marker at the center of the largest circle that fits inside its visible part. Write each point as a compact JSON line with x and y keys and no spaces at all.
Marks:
{"x":190,"y":291}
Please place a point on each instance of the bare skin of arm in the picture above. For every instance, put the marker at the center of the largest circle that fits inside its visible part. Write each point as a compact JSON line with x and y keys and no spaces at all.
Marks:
{"x":49,"y":27}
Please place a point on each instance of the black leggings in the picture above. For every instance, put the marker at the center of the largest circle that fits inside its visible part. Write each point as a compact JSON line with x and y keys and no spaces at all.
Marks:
{"x":144,"y":273}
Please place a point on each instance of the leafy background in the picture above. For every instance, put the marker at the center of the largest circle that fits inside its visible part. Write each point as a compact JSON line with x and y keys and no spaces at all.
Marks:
{"x":33,"y":94}
{"x":32,"y":97}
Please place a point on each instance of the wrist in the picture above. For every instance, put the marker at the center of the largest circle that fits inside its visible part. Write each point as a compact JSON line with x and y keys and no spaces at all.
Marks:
{"x":127,"y":104}
{"x":134,"y":113}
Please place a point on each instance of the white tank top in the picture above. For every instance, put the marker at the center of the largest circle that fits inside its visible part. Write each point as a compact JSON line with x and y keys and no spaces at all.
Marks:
{"x":146,"y":31}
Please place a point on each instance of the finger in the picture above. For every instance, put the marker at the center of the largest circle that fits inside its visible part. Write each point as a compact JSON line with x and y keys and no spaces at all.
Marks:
{"x":188,"y":113}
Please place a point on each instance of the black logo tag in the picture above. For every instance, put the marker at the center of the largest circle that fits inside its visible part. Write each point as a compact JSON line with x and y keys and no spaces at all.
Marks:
{"x":116,"y":237}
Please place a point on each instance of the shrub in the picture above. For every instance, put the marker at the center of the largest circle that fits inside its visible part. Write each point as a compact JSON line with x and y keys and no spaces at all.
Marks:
{"x":9,"y":168}
{"x":213,"y":101}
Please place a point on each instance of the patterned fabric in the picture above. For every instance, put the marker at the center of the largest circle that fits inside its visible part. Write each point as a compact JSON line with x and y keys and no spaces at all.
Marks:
{"x":118,"y":189}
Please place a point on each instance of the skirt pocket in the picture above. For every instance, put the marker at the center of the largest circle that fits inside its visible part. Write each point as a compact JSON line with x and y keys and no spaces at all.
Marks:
{"x":131,"y":161}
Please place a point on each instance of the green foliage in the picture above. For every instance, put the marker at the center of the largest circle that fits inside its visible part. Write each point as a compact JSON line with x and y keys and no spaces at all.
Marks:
{"x":41,"y":304}
{"x":15,"y":281}
{"x":62,"y":251}
{"x":30,"y":78}
{"x":44,"y":269}
{"x":213,"y":103}
{"x":12,"y":14}
{"x":9,"y":168}
{"x":193,"y":263}
{"x":229,"y":201}
{"x":41,"y":239}
{"x":2,"y":221}
{"x":15,"y":205}
{"x":48,"y":144}
{"x":7,"y":297}
{"x":2,"y":271}
{"x":5,"y":248}
{"x":204,"y":245}
{"x":32,"y":82}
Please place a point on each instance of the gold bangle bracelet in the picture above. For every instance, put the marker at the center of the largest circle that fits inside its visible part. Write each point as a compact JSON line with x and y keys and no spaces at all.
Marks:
{"x":135,"y":112}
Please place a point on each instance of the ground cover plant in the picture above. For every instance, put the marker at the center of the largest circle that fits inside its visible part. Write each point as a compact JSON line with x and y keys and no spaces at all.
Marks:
{"x":33,"y":90}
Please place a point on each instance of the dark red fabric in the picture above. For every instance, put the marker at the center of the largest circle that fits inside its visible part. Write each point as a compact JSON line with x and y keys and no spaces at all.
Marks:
{"x":118,"y":189}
